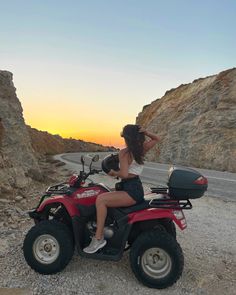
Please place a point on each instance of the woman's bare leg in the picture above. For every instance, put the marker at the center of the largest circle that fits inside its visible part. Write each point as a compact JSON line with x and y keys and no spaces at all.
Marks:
{"x":110,"y":199}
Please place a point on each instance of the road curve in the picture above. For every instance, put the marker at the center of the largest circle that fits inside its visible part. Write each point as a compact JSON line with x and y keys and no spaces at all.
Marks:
{"x":221,"y":184}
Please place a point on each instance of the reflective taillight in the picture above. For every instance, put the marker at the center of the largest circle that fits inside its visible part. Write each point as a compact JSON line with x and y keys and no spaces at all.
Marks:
{"x":201,"y":180}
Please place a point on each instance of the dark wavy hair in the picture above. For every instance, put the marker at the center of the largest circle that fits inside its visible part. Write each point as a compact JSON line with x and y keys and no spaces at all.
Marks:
{"x":134,"y":141}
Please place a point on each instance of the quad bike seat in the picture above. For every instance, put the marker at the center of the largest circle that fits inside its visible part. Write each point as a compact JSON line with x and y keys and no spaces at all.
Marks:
{"x":136,"y":207}
{"x":91,"y":210}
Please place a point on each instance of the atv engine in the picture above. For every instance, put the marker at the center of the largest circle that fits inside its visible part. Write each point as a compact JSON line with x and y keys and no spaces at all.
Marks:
{"x":108,"y":230}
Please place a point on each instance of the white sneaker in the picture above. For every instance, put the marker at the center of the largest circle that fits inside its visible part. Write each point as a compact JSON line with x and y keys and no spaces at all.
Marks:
{"x":95,"y":245}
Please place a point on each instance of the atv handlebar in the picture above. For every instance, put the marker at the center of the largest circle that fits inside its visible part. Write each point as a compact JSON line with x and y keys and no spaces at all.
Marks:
{"x":82,"y":176}
{"x":95,"y":171}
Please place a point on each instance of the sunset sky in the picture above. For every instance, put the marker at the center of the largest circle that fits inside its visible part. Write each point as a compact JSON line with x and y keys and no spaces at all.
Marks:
{"x":84,"y":69}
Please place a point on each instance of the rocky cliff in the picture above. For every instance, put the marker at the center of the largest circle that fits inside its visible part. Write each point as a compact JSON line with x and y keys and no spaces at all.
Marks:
{"x":21,"y":146}
{"x":17,"y":158}
{"x":196,"y":123}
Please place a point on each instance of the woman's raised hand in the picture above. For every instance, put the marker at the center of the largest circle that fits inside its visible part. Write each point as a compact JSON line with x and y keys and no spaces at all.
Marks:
{"x":142,"y":130}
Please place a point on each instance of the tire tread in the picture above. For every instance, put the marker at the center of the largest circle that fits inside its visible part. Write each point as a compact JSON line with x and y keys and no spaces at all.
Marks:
{"x":64,"y":234}
{"x":151,"y":239}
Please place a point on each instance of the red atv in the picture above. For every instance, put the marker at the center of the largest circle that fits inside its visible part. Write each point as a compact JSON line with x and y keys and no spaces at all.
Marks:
{"x":66,"y":218}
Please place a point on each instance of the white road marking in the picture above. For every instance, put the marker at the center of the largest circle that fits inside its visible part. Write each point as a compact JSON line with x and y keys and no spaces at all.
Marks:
{"x":156,"y":169}
{"x":219,"y":178}
{"x":163,"y":170}
{"x":213,"y":177}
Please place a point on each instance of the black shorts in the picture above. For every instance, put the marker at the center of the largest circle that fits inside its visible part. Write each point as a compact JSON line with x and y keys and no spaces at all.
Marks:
{"x":134,"y":187}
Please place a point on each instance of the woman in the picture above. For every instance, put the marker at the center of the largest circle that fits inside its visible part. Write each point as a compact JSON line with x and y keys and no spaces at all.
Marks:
{"x":131,"y":165}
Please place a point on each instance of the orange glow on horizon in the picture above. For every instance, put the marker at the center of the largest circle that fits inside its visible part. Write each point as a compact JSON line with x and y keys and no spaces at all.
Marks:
{"x":81,"y":120}
{"x":105,"y":137}
{"x":105,"y":140}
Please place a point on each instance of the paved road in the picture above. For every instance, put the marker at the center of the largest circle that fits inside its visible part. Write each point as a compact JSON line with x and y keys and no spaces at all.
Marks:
{"x":221,"y":184}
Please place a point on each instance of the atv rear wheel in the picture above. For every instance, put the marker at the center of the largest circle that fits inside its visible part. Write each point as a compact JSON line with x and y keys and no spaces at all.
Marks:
{"x":170,"y":227}
{"x":48,"y":247}
{"x":156,"y":259}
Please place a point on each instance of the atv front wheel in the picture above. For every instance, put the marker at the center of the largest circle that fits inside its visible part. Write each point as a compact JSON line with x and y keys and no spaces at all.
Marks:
{"x":48,"y":247}
{"x":156,"y":259}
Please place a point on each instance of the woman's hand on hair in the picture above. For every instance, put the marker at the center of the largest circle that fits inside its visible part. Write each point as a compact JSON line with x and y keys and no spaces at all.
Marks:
{"x":154,"y":139}
{"x":142,"y":130}
{"x":149,"y":134}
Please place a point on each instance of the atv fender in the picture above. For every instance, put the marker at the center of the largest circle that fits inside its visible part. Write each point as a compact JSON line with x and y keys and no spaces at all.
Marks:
{"x":156,"y":213}
{"x":66,"y":202}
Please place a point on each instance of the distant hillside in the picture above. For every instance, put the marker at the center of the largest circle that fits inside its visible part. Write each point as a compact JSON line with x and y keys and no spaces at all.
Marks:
{"x":196,"y":123}
{"x":46,"y":143}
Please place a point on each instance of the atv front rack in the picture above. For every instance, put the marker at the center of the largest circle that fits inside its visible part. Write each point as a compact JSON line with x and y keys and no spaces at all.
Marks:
{"x":166,"y":203}
{"x":58,"y":189}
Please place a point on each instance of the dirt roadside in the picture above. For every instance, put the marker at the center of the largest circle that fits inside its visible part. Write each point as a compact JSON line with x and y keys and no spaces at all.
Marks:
{"x":209,"y":246}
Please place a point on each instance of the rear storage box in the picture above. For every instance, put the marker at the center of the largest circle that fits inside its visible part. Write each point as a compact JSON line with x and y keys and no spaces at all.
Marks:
{"x":185,"y":183}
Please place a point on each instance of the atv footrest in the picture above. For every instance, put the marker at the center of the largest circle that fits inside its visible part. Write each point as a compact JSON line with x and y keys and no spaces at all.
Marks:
{"x":104,"y":254}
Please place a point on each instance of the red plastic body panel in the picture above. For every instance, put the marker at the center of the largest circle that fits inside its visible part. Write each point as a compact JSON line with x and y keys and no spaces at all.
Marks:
{"x":157,"y":213}
{"x":87,"y":196}
{"x":83,"y":196}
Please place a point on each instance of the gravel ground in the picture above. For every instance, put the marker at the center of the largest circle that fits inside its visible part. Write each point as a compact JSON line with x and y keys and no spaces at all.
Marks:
{"x":209,"y":247}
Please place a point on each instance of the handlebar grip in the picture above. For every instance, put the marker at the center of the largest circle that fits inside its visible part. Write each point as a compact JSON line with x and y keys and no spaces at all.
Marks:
{"x":94,"y":171}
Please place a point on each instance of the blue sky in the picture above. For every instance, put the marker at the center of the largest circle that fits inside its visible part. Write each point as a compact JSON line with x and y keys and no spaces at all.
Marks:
{"x":112,"y":57}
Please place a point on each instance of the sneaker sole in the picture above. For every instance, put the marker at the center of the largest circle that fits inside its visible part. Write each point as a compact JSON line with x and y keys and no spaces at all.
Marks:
{"x":101,"y":246}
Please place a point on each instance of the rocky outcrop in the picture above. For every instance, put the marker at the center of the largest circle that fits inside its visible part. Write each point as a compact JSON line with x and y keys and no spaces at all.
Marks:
{"x":45,"y":143}
{"x":17,"y":158}
{"x":22,"y":146}
{"x":196,"y":123}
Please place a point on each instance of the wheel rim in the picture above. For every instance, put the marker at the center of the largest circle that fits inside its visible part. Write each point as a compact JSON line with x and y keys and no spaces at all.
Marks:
{"x":156,"y":263}
{"x":46,"y":249}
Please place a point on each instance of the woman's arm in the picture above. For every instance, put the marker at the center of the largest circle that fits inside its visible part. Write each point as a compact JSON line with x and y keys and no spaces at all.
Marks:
{"x":124,"y":165}
{"x":154,"y":139}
